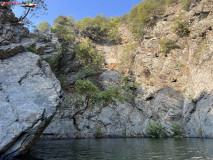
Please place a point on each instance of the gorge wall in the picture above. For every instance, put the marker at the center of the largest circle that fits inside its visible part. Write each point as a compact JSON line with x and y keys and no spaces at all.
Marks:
{"x":174,"y":88}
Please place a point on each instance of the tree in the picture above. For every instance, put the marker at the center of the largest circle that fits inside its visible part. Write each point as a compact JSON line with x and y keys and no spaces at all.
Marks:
{"x":31,"y":13}
{"x":99,"y":28}
{"x":63,"y":28}
{"x":63,"y":20}
{"x":87,"y":54}
{"x":44,"y":27}
{"x":144,"y":15}
{"x":88,"y":95}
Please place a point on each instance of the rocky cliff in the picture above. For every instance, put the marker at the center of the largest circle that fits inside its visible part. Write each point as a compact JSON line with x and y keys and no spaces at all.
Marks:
{"x":175,"y":88}
{"x":29,"y":91}
{"x":174,"y":72}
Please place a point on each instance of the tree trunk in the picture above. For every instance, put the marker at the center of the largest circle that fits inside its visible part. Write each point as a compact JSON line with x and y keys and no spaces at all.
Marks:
{"x":73,"y":117}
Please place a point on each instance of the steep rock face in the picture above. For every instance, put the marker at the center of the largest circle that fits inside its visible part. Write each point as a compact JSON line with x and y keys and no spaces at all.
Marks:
{"x":121,"y":120}
{"x":30,"y":95}
{"x":29,"y":91}
{"x":176,"y":88}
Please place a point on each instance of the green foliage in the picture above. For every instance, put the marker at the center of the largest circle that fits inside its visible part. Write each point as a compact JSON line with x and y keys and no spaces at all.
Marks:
{"x":86,"y":88}
{"x":164,"y":134}
{"x":64,"y":21}
{"x":63,"y":32}
{"x":167,"y":45}
{"x":123,"y":134}
{"x":112,"y":29}
{"x":180,"y":27}
{"x":143,"y":15}
{"x":198,"y":52}
{"x":98,"y":132}
{"x":128,"y":84}
{"x":181,"y":64}
{"x":63,"y":28}
{"x":85,"y":72}
{"x":61,"y":78}
{"x":108,"y":96}
{"x":32,"y":49}
{"x":44,"y":27}
{"x":54,"y":61}
{"x":100,"y":28}
{"x":33,"y":13}
{"x":177,"y":129}
{"x":186,"y":4}
{"x":171,"y":1}
{"x":98,"y":24}
{"x":200,"y":131}
{"x":95,"y":97}
{"x":154,"y":130}
{"x":88,"y":54}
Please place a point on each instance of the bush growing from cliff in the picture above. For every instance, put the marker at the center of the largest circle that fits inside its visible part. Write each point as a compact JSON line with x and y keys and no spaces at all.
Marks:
{"x":203,"y":46}
{"x":94,"y":96}
{"x":128,"y":84}
{"x":186,"y":4}
{"x":88,"y":55}
{"x":181,"y":27}
{"x":176,"y":129}
{"x":32,"y":49}
{"x":200,"y":131}
{"x":85,"y":73}
{"x":100,"y":28}
{"x":96,"y":25}
{"x":98,"y":130}
{"x":88,"y":95}
{"x":54,"y":61}
{"x":112,"y":33}
{"x":167,"y":45}
{"x":171,"y":1}
{"x":144,"y":15}
{"x":63,"y":28}
{"x":154,"y":130}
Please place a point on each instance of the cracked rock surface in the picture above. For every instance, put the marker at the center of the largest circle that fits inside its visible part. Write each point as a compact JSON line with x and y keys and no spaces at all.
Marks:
{"x":29,"y":97}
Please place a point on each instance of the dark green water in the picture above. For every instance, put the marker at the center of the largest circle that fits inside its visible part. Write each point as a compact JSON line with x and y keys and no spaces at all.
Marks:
{"x":122,"y":149}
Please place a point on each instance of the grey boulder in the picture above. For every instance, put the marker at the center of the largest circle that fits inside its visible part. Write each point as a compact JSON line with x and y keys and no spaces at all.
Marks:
{"x":29,"y":97}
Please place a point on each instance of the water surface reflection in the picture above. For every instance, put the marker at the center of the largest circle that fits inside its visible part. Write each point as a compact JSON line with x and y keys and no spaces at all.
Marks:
{"x":121,"y":149}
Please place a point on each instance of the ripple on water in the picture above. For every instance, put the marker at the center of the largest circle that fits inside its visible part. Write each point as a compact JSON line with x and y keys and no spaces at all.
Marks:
{"x":121,"y":149}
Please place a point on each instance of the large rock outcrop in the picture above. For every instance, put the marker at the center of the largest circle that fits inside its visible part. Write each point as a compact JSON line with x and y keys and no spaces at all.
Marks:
{"x":30,"y":95}
{"x":29,"y":91}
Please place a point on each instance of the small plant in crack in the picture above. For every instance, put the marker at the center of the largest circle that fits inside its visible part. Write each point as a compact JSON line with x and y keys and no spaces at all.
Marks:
{"x":177,"y":130}
{"x":200,"y":131}
{"x":98,"y":131}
